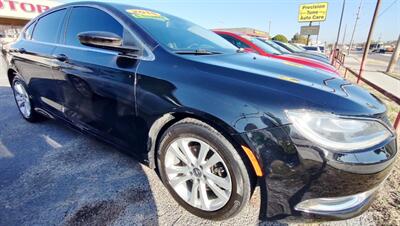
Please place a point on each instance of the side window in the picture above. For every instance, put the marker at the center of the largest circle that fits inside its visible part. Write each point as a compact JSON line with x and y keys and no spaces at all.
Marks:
{"x":47,"y":27}
{"x":228,"y":38}
{"x":241,"y":44}
{"x":28,"y":31}
{"x":235,"y":42}
{"x":90,"y":19}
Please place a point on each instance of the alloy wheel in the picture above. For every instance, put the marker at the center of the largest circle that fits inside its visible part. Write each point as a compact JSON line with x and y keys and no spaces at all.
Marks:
{"x":198,"y":174}
{"x":22,"y":99}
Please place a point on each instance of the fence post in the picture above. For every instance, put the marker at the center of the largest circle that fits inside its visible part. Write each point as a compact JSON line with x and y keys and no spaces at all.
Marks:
{"x":397,"y":121}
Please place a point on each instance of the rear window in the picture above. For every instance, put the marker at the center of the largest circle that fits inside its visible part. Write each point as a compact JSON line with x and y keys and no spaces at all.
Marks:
{"x":48,"y":26}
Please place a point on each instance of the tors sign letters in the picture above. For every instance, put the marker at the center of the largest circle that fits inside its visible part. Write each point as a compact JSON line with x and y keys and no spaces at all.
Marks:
{"x":25,"y":9}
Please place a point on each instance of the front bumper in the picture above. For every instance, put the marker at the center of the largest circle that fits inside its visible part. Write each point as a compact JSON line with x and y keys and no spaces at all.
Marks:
{"x":303,"y":181}
{"x":338,"y":207}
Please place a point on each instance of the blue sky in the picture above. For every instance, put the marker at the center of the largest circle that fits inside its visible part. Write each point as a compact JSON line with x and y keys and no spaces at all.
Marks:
{"x":282,"y":14}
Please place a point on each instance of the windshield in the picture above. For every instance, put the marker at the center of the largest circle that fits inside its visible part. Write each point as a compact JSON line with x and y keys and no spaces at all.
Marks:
{"x":299,"y":48}
{"x":291,"y":47}
{"x":264,"y":46}
{"x":311,"y":48}
{"x":276,"y":46}
{"x":179,"y":35}
{"x":286,"y":46}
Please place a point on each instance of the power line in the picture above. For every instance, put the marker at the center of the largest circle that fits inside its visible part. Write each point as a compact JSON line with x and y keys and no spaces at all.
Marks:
{"x":387,"y":8}
{"x":355,"y":26}
{"x":338,"y":34}
{"x":380,"y":14}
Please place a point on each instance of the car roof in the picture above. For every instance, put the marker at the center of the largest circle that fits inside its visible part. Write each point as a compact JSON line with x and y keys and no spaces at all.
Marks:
{"x":98,"y":3}
{"x":108,"y":5}
{"x":229,"y":32}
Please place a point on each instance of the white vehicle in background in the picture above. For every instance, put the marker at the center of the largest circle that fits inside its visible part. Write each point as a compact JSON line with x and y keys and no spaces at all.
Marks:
{"x":317,"y":49}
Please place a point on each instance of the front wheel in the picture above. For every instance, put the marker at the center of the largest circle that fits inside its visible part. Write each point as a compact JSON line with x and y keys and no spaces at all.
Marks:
{"x":203,"y":171}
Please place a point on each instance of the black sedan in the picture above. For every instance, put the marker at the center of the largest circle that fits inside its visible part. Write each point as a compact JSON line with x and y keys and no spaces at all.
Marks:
{"x":213,"y":120}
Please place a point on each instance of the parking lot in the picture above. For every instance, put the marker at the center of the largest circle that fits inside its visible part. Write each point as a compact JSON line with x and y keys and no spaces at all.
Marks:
{"x":52,"y":175}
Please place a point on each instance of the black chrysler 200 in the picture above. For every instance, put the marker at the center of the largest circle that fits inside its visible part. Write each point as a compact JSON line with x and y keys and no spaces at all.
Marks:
{"x":213,"y":120}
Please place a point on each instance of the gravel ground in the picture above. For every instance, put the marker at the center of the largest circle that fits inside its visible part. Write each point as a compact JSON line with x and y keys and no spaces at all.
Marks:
{"x":51,"y":175}
{"x":385,"y":210}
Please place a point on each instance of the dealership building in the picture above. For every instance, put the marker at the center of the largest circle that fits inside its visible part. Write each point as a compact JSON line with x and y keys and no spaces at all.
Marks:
{"x":15,"y":14}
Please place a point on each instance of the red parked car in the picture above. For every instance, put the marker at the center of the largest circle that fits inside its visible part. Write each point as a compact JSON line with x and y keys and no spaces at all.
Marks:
{"x":253,"y":44}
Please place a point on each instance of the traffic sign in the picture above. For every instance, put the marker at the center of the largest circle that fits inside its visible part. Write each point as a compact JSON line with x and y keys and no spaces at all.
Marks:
{"x":309,"y":30}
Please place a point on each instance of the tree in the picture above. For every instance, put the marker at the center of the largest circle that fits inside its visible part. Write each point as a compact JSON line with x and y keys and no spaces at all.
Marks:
{"x":297,"y":38}
{"x":280,"y":38}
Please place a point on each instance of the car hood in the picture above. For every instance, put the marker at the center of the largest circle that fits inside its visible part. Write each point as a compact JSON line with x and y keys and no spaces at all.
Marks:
{"x":323,"y":90}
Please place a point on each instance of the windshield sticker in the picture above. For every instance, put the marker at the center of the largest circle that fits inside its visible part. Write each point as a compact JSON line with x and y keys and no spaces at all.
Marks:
{"x":146,"y":14}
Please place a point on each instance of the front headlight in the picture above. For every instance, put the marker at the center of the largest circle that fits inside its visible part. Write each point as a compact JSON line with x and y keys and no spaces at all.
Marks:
{"x":338,"y":133}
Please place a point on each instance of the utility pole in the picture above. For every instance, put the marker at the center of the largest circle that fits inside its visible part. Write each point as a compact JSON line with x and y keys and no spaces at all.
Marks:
{"x":354,"y":29}
{"x":316,"y":42}
{"x":269,"y":27}
{"x":395,"y":57}
{"x":338,"y":34}
{"x":368,"y":43}
{"x":344,"y":36}
{"x":308,"y":36}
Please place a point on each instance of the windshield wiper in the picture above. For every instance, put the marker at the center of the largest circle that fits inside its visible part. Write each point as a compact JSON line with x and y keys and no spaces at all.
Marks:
{"x":196,"y":52}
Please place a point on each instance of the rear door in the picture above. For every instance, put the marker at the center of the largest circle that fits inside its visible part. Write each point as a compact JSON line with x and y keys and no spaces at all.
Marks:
{"x":97,"y":87}
{"x":34,"y":61}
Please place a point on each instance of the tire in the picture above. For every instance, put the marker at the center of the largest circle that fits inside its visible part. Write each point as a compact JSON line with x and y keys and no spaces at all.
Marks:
{"x":21,"y":94}
{"x":194,"y":135}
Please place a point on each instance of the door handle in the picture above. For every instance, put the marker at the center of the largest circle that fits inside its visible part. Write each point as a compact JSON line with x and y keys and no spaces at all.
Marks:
{"x":61,"y":57}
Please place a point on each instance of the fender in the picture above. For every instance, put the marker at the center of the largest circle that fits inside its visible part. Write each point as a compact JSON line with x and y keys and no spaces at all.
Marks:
{"x":162,"y":123}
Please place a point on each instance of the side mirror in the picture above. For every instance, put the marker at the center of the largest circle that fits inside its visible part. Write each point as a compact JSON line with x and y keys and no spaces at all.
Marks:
{"x":105,"y":40}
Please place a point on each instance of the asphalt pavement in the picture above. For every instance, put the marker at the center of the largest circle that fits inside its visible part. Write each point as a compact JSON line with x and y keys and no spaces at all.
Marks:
{"x":376,"y":61}
{"x":374,"y":71}
{"x":52,"y":175}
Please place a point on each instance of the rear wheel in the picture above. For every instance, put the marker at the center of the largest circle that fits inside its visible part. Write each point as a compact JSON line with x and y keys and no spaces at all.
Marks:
{"x":203,"y":171}
{"x":23,"y":101}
